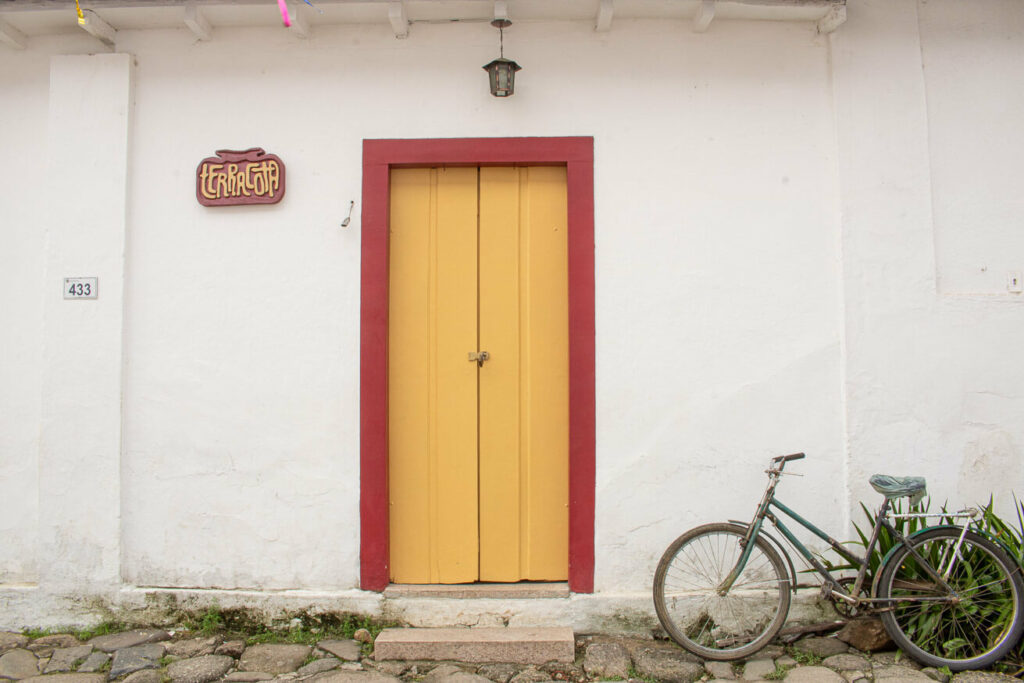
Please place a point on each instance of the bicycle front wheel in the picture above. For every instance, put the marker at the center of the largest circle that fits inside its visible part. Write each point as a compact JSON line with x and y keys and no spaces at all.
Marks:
{"x":711,"y":625}
{"x":969,"y":626}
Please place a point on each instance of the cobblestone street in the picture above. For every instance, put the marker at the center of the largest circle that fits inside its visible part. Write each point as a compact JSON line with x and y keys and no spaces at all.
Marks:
{"x":181,"y":656}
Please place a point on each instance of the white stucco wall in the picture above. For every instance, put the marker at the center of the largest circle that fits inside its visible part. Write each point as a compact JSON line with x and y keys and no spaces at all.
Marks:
{"x":22,"y":243}
{"x":88,"y":137}
{"x":241,"y":404}
{"x":790,"y":230}
{"x":972,"y":65}
{"x":928,"y":142}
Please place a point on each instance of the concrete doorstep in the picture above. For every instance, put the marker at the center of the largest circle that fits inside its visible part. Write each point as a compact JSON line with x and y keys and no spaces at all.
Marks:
{"x":516,"y":645}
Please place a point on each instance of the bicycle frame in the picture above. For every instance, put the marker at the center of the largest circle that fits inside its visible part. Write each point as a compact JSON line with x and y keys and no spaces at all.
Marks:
{"x":770,"y":506}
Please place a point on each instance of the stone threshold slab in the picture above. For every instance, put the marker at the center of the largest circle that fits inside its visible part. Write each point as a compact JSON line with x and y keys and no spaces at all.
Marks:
{"x":500,"y":591}
{"x":516,"y":645}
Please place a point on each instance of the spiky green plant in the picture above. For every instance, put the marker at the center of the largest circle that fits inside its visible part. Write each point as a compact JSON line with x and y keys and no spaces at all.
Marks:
{"x":1012,"y":539}
{"x":886,"y":540}
{"x":1008,"y":535}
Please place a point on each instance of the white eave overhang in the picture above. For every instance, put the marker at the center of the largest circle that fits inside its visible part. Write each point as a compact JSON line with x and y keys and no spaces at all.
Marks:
{"x":20,"y":20}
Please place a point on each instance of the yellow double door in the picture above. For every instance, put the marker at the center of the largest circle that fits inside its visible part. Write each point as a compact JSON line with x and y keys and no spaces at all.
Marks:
{"x":478,"y":445}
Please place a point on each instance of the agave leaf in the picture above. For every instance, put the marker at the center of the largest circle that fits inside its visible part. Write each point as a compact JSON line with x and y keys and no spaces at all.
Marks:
{"x":1020,"y":514}
{"x":954,"y":644}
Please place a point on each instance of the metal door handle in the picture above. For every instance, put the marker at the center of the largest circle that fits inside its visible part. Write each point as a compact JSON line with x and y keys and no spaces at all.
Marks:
{"x":479,"y":357}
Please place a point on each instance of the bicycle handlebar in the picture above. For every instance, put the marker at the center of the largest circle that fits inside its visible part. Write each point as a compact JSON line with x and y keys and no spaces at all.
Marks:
{"x":787,"y":458}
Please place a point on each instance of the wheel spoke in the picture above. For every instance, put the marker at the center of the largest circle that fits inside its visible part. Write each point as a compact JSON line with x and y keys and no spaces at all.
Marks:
{"x":720,"y":626}
{"x":970,"y":624}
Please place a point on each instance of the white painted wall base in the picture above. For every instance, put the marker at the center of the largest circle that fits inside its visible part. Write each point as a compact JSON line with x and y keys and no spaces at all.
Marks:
{"x":621,"y":613}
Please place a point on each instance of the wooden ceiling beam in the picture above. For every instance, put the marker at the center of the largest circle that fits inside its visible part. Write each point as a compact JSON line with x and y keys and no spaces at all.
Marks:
{"x":196,"y":21}
{"x":603,"y":24}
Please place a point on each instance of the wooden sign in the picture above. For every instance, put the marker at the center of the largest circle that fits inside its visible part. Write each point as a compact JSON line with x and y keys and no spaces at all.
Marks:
{"x":248,"y":177}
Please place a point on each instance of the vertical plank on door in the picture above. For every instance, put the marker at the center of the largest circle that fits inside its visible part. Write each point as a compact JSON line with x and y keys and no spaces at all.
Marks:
{"x":500,"y":401}
{"x":432,"y":387}
{"x":524,"y":400}
{"x":544,"y":313}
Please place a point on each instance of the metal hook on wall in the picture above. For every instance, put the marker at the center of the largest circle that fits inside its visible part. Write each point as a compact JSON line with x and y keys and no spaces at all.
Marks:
{"x":348,"y":218}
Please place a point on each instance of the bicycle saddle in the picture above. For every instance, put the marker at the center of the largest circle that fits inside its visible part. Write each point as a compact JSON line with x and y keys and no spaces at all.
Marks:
{"x":898,"y":487}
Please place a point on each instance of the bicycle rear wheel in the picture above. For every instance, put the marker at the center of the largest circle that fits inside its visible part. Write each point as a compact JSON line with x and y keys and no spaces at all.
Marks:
{"x":713,"y":626}
{"x":970,"y":629}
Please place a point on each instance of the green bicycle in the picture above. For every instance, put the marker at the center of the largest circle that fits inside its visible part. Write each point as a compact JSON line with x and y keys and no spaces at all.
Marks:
{"x":948,"y":596}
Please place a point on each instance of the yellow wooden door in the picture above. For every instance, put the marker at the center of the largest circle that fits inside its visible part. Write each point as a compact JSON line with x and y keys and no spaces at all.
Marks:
{"x":478,"y":454}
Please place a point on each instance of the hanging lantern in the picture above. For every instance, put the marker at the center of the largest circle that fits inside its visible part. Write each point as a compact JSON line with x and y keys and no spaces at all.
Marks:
{"x":501,"y":71}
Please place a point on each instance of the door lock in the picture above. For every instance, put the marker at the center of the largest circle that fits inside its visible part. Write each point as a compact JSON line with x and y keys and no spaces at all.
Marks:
{"x":479,"y":357}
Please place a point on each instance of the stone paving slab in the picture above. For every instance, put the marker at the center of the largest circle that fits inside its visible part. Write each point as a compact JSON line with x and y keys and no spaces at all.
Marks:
{"x":68,"y":678}
{"x":397,"y":668}
{"x":821,"y":647}
{"x":353,"y":677}
{"x":273,"y":658}
{"x":666,"y":665}
{"x":465,"y":677}
{"x":982,"y":677}
{"x":193,"y":647}
{"x":131,"y":659}
{"x":607,"y":660}
{"x":44,"y":646}
{"x":814,"y":674}
{"x":12,"y":641}
{"x":231,"y":648}
{"x":902,"y":673}
{"x":530,"y":675}
{"x":847,"y":662}
{"x":893,"y":658}
{"x":248,"y":676}
{"x":720,"y":670}
{"x":499,"y":672}
{"x":674,"y":652}
{"x":202,"y":669}
{"x":523,"y":645}
{"x":319,"y":666}
{"x":145,"y":676}
{"x":119,"y":641}
{"x":94,"y":662}
{"x":758,"y":669}
{"x":64,"y":659}
{"x":348,"y":650}
{"x":18,"y":663}
{"x":440,"y":672}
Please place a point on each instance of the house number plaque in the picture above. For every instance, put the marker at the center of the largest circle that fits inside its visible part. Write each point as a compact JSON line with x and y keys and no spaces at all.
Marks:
{"x":231,"y":178}
{"x":81,"y":288}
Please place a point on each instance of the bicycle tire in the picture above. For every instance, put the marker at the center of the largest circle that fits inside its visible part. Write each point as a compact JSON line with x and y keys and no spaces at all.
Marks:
{"x":971,"y":634}
{"x":714,"y":626}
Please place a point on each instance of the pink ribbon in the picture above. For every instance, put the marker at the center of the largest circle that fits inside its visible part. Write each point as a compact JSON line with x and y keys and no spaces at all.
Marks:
{"x":284,"y":13}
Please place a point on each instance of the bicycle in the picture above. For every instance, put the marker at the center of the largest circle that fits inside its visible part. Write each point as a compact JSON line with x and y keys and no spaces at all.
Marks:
{"x":947,"y":595}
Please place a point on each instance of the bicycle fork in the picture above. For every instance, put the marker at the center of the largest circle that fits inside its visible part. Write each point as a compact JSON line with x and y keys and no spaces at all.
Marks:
{"x":753,"y":529}
{"x":748,"y":547}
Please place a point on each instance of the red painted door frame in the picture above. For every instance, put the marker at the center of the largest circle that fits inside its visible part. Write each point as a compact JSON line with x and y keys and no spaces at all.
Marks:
{"x":379,"y":157}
